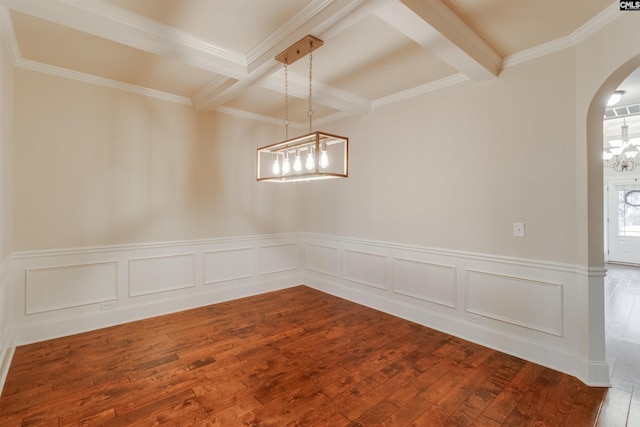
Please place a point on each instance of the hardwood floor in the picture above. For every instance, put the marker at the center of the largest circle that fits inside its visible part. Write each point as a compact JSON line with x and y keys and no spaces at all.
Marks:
{"x":622,"y":325}
{"x":288,"y":358}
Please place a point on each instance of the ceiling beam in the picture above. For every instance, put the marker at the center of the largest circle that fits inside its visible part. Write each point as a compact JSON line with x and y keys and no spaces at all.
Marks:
{"x":317,"y":18}
{"x":434,"y":26}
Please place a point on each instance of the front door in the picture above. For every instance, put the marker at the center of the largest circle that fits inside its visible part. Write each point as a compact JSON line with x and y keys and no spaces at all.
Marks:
{"x":623,"y":221}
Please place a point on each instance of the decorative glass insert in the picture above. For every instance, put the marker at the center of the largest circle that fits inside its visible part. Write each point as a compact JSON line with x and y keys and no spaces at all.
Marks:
{"x":629,"y":213}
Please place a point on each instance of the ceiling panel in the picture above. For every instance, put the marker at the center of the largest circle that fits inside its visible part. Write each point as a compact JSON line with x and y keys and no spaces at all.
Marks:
{"x":238,"y":25}
{"x":371,"y":59}
{"x":43,"y":41}
{"x":512,"y":26}
{"x":271,"y":104}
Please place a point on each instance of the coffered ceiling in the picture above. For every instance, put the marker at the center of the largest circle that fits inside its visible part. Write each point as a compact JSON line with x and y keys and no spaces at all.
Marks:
{"x":219,"y":54}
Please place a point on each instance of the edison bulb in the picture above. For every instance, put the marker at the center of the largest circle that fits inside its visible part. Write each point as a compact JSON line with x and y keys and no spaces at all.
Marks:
{"x":297,"y":163}
{"x":324,"y":159}
{"x":286,"y":167}
{"x":276,"y":167}
{"x":309,"y":163}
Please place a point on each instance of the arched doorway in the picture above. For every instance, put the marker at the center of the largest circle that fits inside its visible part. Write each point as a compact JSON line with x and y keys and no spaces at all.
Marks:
{"x":595,"y":346}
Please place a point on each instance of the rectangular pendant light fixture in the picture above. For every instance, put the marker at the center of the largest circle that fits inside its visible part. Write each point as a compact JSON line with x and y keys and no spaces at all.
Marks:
{"x":316,"y":155}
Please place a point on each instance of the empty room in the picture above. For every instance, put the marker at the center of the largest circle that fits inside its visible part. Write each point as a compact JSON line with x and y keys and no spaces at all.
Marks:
{"x":316,"y":212}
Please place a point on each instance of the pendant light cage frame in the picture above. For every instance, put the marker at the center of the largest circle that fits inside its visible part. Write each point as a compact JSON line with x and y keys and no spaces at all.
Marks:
{"x":312,"y":144}
{"x":326,"y":155}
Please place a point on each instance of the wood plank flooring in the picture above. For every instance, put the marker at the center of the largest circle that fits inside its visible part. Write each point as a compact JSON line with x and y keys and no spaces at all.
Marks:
{"x":296,"y":357}
{"x":622,"y":326}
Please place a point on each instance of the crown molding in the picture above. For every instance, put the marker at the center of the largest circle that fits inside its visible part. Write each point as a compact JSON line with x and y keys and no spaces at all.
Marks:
{"x":100,"y":81}
{"x":588,"y":29}
{"x":9,"y":34}
{"x":608,"y":15}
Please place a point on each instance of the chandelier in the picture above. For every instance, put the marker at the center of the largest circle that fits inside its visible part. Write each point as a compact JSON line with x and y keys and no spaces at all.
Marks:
{"x":621,"y":152}
{"x":315,"y":155}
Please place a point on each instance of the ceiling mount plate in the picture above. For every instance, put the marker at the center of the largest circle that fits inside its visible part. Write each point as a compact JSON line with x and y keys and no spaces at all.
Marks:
{"x":299,"y":49}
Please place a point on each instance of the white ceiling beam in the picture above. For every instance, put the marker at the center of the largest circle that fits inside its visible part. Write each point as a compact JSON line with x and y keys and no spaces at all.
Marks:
{"x":438,"y":29}
{"x":110,"y":22}
{"x":317,"y":18}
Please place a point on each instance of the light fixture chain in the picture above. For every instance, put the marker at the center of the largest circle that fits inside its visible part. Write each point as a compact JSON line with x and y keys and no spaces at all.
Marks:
{"x":286,"y":100}
{"x":310,"y":113}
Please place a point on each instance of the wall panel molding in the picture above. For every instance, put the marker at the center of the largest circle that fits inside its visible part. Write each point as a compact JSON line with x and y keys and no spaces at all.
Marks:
{"x":73,"y":285}
{"x":279,"y":258}
{"x":533,"y":304}
{"x":427,"y":281}
{"x":226,"y":265}
{"x":366,"y":268}
{"x":163,"y":273}
{"x":322,"y":259}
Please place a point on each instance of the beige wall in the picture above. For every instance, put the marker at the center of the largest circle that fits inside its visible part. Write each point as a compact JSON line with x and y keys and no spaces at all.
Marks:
{"x":6,"y":145}
{"x":97,"y":166}
{"x":451,"y":169}
{"x":454,"y":168}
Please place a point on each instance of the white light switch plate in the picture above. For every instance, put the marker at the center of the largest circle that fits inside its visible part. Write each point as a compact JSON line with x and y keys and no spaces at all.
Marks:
{"x":518,"y":229}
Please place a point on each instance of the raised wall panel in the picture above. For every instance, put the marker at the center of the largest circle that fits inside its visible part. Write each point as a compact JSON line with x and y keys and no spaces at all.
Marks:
{"x":530,"y":303}
{"x":225,"y":265}
{"x":161,"y":274}
{"x":54,"y":288}
{"x":366,"y":268}
{"x":424,"y":280}
{"x":278,"y":258}
{"x":322,"y":259}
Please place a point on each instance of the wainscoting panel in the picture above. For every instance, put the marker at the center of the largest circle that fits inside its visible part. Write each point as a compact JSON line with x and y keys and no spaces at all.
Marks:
{"x":424,"y":280}
{"x":529,"y":303}
{"x":279,"y":258}
{"x":55,"y":288}
{"x":62,"y":292}
{"x":225,"y":265}
{"x":322,"y":259}
{"x":366,"y":268}
{"x":161,"y":274}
